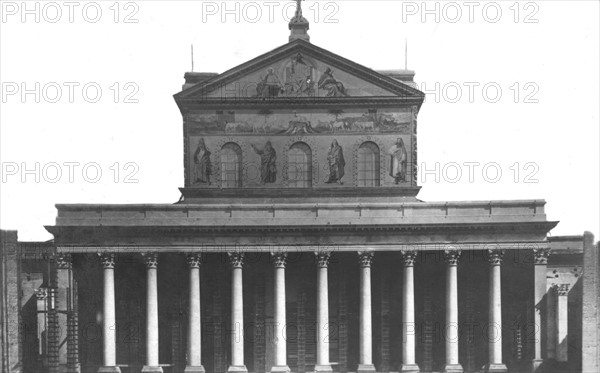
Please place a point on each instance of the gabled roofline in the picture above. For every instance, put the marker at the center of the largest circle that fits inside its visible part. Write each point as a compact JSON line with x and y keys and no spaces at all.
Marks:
{"x":299,"y":45}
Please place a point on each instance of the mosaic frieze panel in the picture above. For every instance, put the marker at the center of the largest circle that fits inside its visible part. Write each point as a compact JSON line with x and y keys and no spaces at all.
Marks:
{"x":295,"y":123}
{"x":264,"y":161}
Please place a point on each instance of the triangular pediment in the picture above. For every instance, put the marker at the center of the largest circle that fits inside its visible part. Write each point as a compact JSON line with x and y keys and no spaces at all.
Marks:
{"x":299,"y":70}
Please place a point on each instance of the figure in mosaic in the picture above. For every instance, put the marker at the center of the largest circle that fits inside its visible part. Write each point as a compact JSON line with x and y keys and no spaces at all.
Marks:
{"x":202,"y":165}
{"x":331,"y":85}
{"x":270,"y":85}
{"x":268,"y":167}
{"x":398,"y":159}
{"x":336,"y":161}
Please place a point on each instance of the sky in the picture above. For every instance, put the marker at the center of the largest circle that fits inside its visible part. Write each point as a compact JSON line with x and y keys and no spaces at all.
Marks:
{"x":87,"y":113}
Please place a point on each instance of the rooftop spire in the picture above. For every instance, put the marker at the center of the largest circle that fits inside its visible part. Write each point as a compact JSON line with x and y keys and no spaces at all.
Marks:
{"x":299,"y":25}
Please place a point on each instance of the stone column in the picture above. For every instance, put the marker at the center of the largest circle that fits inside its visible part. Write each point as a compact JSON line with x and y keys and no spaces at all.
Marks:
{"x":280,"y":323}
{"x":109,"y":325}
{"x":551,"y":322}
{"x":62,"y":306}
{"x":66,"y":295}
{"x":152,"y":365}
{"x":237,"y":313}
{"x":41,"y":295}
{"x":323,"y":363}
{"x":495,"y":313}
{"x":194,"y":348}
{"x":53,"y":331}
{"x":562,"y":322}
{"x":408,"y":313}
{"x":451,"y":328}
{"x":540,"y":261}
{"x":366,"y":333}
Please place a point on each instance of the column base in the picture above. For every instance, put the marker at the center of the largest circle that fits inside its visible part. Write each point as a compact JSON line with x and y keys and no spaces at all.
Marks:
{"x":535,"y":365}
{"x":365,"y":368}
{"x":237,"y":368}
{"x":453,"y":368}
{"x":151,"y":369}
{"x":75,"y":368}
{"x":409,"y":368}
{"x":194,"y":369}
{"x":109,"y":370}
{"x":495,"y":368}
{"x":280,"y":369}
{"x":323,"y":368}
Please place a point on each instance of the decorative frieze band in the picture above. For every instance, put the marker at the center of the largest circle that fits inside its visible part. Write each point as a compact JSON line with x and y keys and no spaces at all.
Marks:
{"x":365,"y":258}
{"x":151,"y":260}
{"x":495,"y":256}
{"x":236,"y":259}
{"x":452,"y":256}
{"x":279,"y":259}
{"x":323,"y":259}
{"x":409,"y":257}
{"x":540,"y":256}
{"x":107,"y":260}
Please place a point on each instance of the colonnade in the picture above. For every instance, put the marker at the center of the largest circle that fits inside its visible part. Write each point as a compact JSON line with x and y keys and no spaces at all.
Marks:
{"x":365,"y":258}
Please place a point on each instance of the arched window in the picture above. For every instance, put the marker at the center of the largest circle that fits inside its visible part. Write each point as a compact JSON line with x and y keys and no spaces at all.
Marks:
{"x":368,"y":165}
{"x":299,"y":166}
{"x":231,"y":166}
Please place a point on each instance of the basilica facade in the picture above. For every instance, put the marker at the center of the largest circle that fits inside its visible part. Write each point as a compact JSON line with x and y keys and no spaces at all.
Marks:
{"x":299,"y":245}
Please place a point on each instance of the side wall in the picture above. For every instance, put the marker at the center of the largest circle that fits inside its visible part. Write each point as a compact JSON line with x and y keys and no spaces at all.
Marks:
{"x":9,"y":302}
{"x":590,"y":344}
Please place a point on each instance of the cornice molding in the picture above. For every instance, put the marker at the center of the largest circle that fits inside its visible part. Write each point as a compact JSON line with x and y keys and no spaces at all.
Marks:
{"x":354,"y":228}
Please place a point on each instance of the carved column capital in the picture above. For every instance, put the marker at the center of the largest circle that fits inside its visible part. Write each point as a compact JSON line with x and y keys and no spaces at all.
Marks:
{"x":562,"y":289}
{"x":279,"y":259}
{"x":194,"y":260}
{"x":107,"y":260}
{"x":236,"y":259}
{"x":323,"y":259}
{"x":409,"y":257}
{"x":41,"y":293}
{"x":151,"y":260}
{"x":495,"y":256}
{"x":540,"y":256}
{"x":365,"y":258}
{"x":63,"y":261}
{"x":452,"y":256}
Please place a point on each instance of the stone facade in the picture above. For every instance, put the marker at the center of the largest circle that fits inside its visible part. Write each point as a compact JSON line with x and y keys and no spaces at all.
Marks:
{"x":299,"y":245}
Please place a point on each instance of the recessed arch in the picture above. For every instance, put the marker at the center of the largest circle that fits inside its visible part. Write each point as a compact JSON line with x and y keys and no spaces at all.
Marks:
{"x":369,"y":161}
{"x":299,"y":169}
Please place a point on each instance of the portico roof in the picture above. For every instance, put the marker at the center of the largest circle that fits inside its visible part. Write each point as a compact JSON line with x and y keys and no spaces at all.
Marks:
{"x":350,"y":225}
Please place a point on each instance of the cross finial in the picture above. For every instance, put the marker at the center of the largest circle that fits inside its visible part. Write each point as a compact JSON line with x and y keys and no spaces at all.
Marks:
{"x":299,"y":25}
